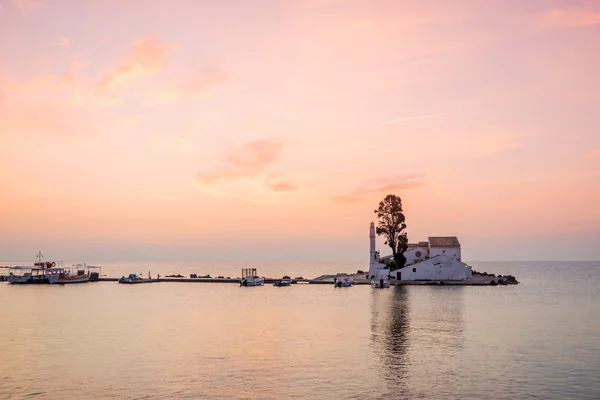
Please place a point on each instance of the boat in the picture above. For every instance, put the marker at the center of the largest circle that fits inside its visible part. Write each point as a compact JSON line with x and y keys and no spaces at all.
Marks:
{"x":132,"y":279}
{"x":252,"y":280}
{"x":282,"y":282}
{"x":342,"y":282}
{"x":380,"y":283}
{"x":27,"y":274}
{"x":41,"y":272}
{"x":77,"y":273}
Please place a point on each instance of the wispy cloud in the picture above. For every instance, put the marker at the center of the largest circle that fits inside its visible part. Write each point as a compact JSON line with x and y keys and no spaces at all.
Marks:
{"x":62,"y":42}
{"x":406,"y":119}
{"x":283,"y":186}
{"x":568,"y":18}
{"x":147,"y":56}
{"x":396,"y":185}
{"x":245,"y":161}
{"x":131,"y":121}
{"x":185,"y":90}
{"x":593,"y":154}
{"x":27,"y":5}
{"x":247,"y":173}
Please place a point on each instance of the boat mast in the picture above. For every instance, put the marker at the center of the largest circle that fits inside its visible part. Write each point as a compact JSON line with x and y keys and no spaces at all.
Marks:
{"x":39,"y":256}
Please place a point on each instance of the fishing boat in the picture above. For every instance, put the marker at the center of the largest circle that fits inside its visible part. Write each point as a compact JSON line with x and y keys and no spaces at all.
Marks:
{"x":77,"y":273}
{"x":250,"y":278}
{"x":380,"y":283}
{"x":252,"y":281}
{"x":132,"y":279}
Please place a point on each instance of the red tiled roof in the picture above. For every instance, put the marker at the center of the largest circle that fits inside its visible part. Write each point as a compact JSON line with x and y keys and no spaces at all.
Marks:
{"x":444,"y":241}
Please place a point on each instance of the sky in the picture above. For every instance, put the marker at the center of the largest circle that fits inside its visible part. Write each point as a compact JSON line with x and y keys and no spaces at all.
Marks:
{"x":270,"y":130}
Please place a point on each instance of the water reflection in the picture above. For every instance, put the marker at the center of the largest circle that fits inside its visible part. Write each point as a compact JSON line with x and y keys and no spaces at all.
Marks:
{"x":390,"y":336}
{"x":416,"y":331}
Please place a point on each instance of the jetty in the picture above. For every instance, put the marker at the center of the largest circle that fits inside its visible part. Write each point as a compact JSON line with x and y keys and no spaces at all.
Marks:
{"x":358,"y":279}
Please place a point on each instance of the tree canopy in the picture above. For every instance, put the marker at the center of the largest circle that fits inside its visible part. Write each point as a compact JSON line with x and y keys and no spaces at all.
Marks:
{"x":391,"y":224}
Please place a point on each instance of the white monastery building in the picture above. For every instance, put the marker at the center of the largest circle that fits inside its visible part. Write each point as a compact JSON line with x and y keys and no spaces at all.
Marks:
{"x":438,"y":259}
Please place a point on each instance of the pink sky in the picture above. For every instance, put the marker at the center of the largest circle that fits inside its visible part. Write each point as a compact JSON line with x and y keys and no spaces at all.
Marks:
{"x":271,"y":129}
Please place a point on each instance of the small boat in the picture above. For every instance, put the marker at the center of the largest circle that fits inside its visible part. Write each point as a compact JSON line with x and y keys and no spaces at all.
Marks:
{"x":282,"y":282}
{"x":132,"y":279}
{"x":380,"y":283}
{"x":342,"y":282}
{"x":252,"y":281}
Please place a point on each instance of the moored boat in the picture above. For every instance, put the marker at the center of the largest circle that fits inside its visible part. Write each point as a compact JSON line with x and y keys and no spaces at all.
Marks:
{"x":380,"y":283}
{"x":342,"y":282}
{"x":252,"y":281}
{"x":282,"y":282}
{"x":132,"y":279}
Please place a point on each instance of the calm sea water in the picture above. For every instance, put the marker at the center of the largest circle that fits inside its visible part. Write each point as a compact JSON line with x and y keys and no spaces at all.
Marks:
{"x":540,"y":339}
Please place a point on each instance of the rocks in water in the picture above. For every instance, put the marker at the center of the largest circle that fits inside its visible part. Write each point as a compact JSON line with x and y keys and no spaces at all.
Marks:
{"x":286,"y":277}
{"x":175,"y":276}
{"x":192,"y":276}
{"x":493,"y":283}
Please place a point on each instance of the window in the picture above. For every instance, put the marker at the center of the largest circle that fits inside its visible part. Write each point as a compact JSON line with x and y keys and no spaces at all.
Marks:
{"x":414,"y":270}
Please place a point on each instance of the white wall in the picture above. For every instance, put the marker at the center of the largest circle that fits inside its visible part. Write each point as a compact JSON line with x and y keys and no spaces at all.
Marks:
{"x":438,"y":268}
{"x":411,"y":256}
{"x":376,"y":269}
{"x":452,"y":252}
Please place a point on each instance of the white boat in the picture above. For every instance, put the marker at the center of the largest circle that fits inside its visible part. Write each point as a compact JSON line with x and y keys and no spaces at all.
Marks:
{"x":133,"y":279}
{"x":342,"y":282}
{"x":380,"y":283}
{"x":38,"y":273}
{"x":27,"y":274}
{"x":252,"y":280}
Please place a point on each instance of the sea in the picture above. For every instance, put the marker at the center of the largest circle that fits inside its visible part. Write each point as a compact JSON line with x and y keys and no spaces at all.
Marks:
{"x":536,"y":340}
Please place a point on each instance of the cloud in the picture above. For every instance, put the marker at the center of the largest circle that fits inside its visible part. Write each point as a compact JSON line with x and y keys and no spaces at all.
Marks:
{"x":146,"y":57}
{"x":62,"y":42}
{"x":27,"y":5}
{"x":184,"y":90}
{"x":283,"y":186}
{"x":490,"y":145}
{"x":593,"y":154}
{"x":246,"y":172}
{"x":246,"y":161}
{"x":406,"y":119}
{"x":568,"y":18}
{"x":399,"y":184}
{"x":131,"y":121}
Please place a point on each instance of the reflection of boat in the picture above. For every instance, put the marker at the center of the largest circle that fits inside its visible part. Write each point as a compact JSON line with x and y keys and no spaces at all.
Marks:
{"x":380,"y":283}
{"x":132,"y":279}
{"x":282,"y":282}
{"x":342,"y":282}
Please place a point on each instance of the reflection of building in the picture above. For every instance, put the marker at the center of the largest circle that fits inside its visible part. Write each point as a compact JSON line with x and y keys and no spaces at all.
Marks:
{"x":437,"y":259}
{"x":390,"y":339}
